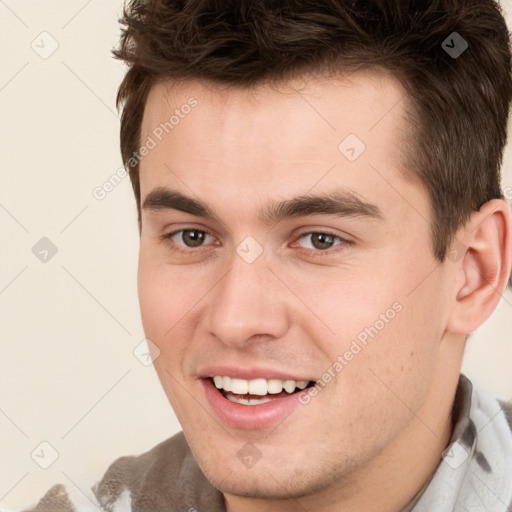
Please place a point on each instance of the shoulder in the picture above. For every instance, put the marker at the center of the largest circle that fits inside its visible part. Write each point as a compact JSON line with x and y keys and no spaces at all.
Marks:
{"x":152,"y":479}
{"x":166,"y":474}
{"x":56,"y":499}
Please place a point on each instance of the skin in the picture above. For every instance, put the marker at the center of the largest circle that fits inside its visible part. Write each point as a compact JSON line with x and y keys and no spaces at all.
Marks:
{"x":384,"y":420}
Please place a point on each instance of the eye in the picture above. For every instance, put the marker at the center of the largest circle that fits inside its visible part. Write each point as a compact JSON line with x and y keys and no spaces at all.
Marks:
{"x":319,"y":241}
{"x":190,"y":237}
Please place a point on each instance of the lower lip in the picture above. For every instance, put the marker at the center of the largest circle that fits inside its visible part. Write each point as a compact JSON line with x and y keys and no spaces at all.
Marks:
{"x":251,"y":417}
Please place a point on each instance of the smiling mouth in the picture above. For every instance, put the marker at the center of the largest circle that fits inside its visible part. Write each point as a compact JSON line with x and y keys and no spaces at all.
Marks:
{"x":257,"y":391}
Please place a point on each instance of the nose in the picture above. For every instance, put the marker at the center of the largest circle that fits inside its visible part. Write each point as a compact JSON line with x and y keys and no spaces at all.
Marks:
{"x":247,"y":305}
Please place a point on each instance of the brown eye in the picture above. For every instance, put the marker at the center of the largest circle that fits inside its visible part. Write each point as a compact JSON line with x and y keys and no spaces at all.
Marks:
{"x":193,"y":237}
{"x":320,"y":241}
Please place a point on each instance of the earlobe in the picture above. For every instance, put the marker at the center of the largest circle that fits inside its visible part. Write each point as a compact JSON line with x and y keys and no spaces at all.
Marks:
{"x":484,"y":268}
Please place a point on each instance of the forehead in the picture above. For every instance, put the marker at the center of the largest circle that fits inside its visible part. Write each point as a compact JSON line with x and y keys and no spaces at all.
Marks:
{"x":283,"y":140}
{"x":356,"y":103}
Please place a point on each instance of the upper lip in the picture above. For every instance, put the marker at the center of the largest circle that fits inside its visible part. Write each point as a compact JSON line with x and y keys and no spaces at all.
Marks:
{"x":250,"y":373}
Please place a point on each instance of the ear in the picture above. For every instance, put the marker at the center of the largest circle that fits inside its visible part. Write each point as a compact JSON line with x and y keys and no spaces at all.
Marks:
{"x":483,"y":250}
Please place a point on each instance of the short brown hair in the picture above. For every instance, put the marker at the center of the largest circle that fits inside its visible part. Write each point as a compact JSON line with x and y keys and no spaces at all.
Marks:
{"x":459,"y":104}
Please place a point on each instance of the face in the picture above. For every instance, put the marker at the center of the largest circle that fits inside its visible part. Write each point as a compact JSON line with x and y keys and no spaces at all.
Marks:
{"x":282,"y":245}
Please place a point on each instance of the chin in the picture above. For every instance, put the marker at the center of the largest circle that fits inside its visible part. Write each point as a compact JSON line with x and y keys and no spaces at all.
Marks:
{"x":264,"y":481}
{"x":262,"y":487}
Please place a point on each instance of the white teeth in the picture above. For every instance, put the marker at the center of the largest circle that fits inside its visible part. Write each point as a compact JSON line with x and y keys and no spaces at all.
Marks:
{"x":239,"y":386}
{"x":289,"y":386}
{"x":274,"y":386}
{"x":257,"y":387}
{"x":247,"y":401}
{"x":226,"y":383}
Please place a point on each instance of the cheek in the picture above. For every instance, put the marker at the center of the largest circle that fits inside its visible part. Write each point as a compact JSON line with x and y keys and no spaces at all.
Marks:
{"x":165,"y":306}
{"x":391,"y":375}
{"x":381,"y":340}
{"x":340,"y":306}
{"x":166,"y":296}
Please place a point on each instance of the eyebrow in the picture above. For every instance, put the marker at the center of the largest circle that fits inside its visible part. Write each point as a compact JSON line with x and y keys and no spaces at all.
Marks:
{"x":339,"y":203}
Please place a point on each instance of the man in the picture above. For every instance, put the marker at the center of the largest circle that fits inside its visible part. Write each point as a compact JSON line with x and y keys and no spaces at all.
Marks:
{"x":321,"y":228}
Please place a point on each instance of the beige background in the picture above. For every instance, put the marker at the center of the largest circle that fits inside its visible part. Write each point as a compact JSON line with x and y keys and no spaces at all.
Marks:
{"x":68,"y":374}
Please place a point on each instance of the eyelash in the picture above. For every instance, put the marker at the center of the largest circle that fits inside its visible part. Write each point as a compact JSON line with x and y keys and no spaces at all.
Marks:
{"x":167,"y":238}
